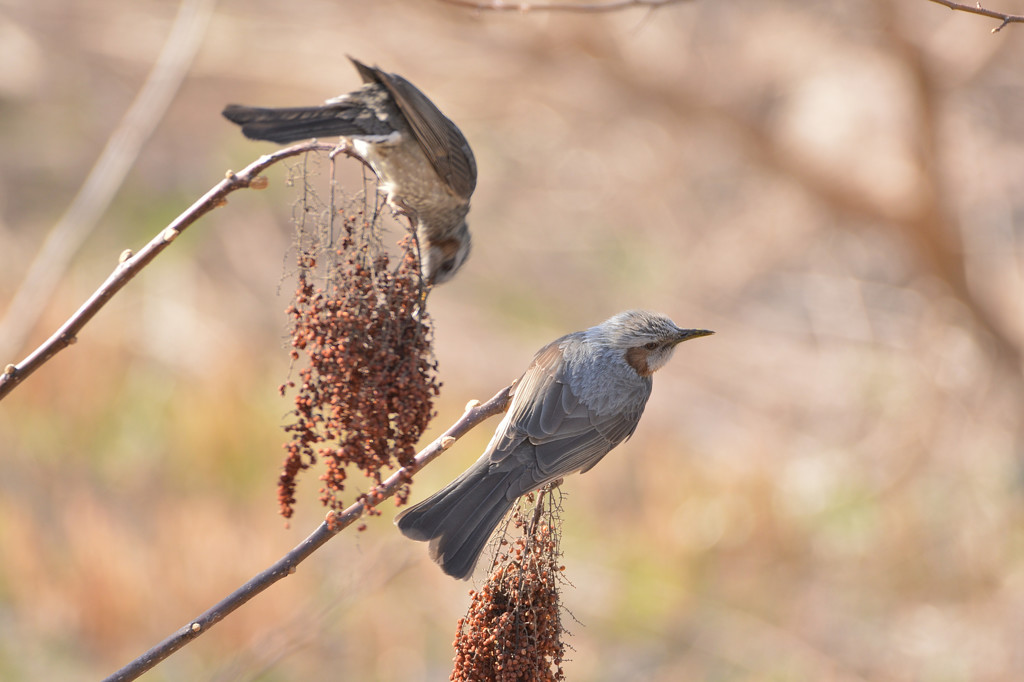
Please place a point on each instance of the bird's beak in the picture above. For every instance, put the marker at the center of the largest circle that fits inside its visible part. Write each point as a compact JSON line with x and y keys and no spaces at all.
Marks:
{"x":687,"y":334}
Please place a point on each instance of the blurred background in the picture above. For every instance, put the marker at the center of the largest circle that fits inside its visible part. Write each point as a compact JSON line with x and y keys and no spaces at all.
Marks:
{"x":830,"y":488}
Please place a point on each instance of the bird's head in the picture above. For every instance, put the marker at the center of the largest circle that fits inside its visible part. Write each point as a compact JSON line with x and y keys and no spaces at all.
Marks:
{"x":442,"y":259}
{"x":646,"y":340}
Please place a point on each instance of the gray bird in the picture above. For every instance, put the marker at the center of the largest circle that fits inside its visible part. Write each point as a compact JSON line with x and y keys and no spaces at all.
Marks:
{"x":423,"y":162}
{"x":582,"y":395}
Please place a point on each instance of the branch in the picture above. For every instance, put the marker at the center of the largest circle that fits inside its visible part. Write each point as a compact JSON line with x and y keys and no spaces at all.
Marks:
{"x":130,"y":265}
{"x":978,"y":9}
{"x":335,"y":522}
{"x":583,"y":7}
{"x":107,"y":175}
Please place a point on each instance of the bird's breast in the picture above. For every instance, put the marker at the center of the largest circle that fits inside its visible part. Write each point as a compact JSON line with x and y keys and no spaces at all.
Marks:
{"x":605,"y":383}
{"x":411,"y":182}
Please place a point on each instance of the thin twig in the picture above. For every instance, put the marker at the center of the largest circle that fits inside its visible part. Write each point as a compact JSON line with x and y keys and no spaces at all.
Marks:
{"x":583,"y":7}
{"x":978,"y":9}
{"x":336,"y":521}
{"x":107,"y":175}
{"x":549,"y":490}
{"x":130,"y":264}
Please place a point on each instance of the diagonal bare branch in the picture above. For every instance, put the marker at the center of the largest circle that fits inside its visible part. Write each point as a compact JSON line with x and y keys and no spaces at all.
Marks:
{"x":335,"y":522}
{"x":107,"y":174}
{"x":131,"y":264}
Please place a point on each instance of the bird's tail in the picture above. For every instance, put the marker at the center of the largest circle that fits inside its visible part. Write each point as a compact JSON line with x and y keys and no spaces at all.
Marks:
{"x":298,"y":123}
{"x":458,"y":519}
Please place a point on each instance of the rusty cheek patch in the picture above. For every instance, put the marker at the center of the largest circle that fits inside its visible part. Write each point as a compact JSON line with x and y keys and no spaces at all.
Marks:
{"x":449,"y":247}
{"x":637,"y":359}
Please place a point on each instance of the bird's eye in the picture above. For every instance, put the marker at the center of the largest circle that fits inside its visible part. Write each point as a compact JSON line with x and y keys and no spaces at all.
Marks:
{"x":653,"y":345}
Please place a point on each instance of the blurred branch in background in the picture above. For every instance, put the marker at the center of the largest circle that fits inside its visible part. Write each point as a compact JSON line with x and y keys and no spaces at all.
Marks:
{"x":931,"y":225}
{"x":131,"y":264}
{"x":583,"y":7}
{"x":106,"y":176}
{"x":927,"y":223}
{"x":336,"y":521}
{"x":978,"y":9}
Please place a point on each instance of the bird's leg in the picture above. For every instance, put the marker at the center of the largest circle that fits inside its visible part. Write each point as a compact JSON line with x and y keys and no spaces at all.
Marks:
{"x":345,"y":147}
{"x":418,"y":248}
{"x":539,"y":508}
{"x":537,"y":511}
{"x":398,"y":210}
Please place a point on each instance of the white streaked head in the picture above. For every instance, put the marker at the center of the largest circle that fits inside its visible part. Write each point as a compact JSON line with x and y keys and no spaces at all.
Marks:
{"x":647,"y":340}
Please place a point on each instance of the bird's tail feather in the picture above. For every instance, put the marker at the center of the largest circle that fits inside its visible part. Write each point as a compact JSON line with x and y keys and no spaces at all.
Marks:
{"x":459,"y":519}
{"x":294,"y":123}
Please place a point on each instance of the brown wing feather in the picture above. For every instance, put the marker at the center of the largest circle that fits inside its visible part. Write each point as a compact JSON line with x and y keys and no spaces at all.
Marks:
{"x":445,"y":146}
{"x":550,"y":431}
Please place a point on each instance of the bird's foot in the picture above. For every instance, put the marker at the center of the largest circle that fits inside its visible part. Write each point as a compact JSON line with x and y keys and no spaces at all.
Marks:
{"x":345,"y":147}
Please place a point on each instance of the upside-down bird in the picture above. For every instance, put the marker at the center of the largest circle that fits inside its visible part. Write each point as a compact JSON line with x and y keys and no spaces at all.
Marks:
{"x":582,"y":395}
{"x":423,"y":161}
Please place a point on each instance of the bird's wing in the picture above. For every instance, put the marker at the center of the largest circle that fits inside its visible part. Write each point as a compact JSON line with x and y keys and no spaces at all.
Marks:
{"x":346,"y":115}
{"x":550,"y":430}
{"x":445,"y":146}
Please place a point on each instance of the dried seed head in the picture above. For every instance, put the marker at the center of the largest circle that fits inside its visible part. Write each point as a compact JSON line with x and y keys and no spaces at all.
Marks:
{"x":366,"y":392}
{"x":513,"y":630}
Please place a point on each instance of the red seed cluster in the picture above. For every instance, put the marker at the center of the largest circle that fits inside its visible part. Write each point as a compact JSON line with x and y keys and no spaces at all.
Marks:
{"x":513,"y":630}
{"x":366,"y":392}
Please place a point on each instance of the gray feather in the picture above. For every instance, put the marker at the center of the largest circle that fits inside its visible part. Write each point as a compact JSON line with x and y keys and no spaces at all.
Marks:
{"x":579,"y":399}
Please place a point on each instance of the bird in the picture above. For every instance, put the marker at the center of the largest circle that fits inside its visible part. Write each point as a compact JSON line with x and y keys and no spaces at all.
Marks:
{"x":581,"y":396}
{"x":423,"y":162}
